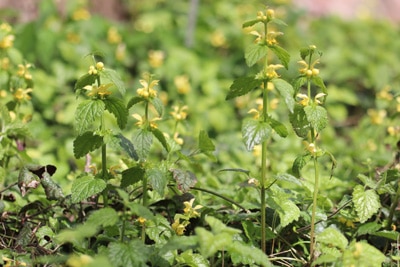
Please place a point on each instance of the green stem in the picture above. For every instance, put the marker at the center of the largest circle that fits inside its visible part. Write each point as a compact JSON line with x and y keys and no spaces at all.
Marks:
{"x":393,"y":207}
{"x":314,"y":209}
{"x":145,"y":200}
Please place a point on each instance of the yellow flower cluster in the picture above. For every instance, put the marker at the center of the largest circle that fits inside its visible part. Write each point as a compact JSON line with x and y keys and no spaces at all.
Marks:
{"x":156,"y":58}
{"x":147,"y":91}
{"x":81,"y":14}
{"x":269,"y":15}
{"x":94,"y":70}
{"x":270,"y":71}
{"x":101,"y":90}
{"x":182,"y":84}
{"x":271,"y":37}
{"x":22,"y":94}
{"x":142,"y":121}
{"x":113,"y":36}
{"x":24,"y":72}
{"x":7,"y":39}
{"x":305,"y":100}
{"x":189,"y":212}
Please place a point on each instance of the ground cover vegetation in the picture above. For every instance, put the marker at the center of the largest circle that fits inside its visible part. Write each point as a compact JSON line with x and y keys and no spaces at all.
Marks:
{"x":237,"y":135}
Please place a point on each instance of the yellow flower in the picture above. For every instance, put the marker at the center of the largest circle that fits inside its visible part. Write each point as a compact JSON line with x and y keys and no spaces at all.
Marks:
{"x":5,"y":63}
{"x":7,"y":39}
{"x":178,"y":227}
{"x":309,"y":71}
{"x":261,"y":16}
{"x":81,"y":14}
{"x":310,"y":147}
{"x":101,"y":91}
{"x":304,"y":99}
{"x":318,"y":96}
{"x":218,"y":39}
{"x":177,"y":139}
{"x":23,"y":71}
{"x":147,"y":90}
{"x":271,"y":37}
{"x":141,"y":220}
{"x":398,"y":103}
{"x":385,"y":94}
{"x":179,"y":113}
{"x":273,"y":104}
{"x":376,"y":116}
{"x":94,"y":70}
{"x":142,"y":121}
{"x":259,"y":36}
{"x":182,"y":84}
{"x":120,"y":52}
{"x":22,"y":94}
{"x":255,"y":112}
{"x":190,"y":210}
{"x":156,"y":58}
{"x":271,"y":70}
{"x":113,"y":36}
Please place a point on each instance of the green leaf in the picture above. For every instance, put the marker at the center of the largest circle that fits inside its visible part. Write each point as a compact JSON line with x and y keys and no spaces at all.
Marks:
{"x":52,"y":190}
{"x":279,"y":127}
{"x":283,"y":205}
{"x":5,"y":117}
{"x":142,"y":139}
{"x":205,"y":142}
{"x":140,"y":210}
{"x":278,"y":22}
{"x":363,"y":254}
{"x":184,"y":179}
{"x":188,"y":258}
{"x":254,"y":53}
{"x":87,"y":79}
{"x":286,"y":91}
{"x":317,"y":116}
{"x":117,"y":107}
{"x":182,"y":243}
{"x":250,"y":23}
{"x":298,"y":83}
{"x":86,"y":142}
{"x":247,"y":252}
{"x":161,"y":138}
{"x":254,"y":132}
{"x":242,"y":86}
{"x":127,"y":146}
{"x":133,"y":101}
{"x":132,"y":254}
{"x":210,"y":243}
{"x":157,"y":179}
{"x":304,"y":52}
{"x":114,"y":77}
{"x":76,"y":235}
{"x":85,"y":187}
{"x":368,"y":228}
{"x":333,"y":238}
{"x":392,"y":235}
{"x":299,"y":163}
{"x":299,"y":121}
{"x":366,"y":202}
{"x":87,"y":112}
{"x":320,"y":83}
{"x":158,"y":105}
{"x":132,"y":176}
{"x":27,"y":180}
{"x":282,"y":54}
{"x":103,"y":217}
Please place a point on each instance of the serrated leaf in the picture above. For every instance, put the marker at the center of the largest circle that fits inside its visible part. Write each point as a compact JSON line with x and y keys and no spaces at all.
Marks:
{"x":320,"y":83}
{"x":366,"y":202}
{"x":254,"y":132}
{"x":210,"y":243}
{"x":282,"y":54}
{"x":279,"y":127}
{"x":205,"y":142}
{"x":368,"y":228}
{"x":103,"y":217}
{"x":317,"y":116}
{"x":158,"y":105}
{"x":132,"y":176}
{"x":87,"y":79}
{"x":142,"y":140}
{"x":242,"y":86}
{"x":283,"y":205}
{"x":5,"y":115}
{"x":286,"y":91}
{"x":248,"y":254}
{"x":114,"y":77}
{"x":184,"y":179}
{"x":157,"y":179}
{"x":250,"y":23}
{"x":133,"y":101}
{"x":85,"y":187}
{"x":363,"y":254}
{"x":161,"y":138}
{"x":254,"y":53}
{"x":299,"y":121}
{"x":333,"y":238}
{"x":132,"y":254}
{"x":299,"y":163}
{"x":87,"y":112}
{"x":52,"y":190}
{"x":117,"y":107}
{"x":128,"y":147}
{"x":188,"y":258}
{"x":176,"y":242}
{"x":298,"y":83}
{"x":86,"y":142}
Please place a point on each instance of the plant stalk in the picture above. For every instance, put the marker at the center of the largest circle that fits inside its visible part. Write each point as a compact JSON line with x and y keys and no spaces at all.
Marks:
{"x":314,"y":209}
